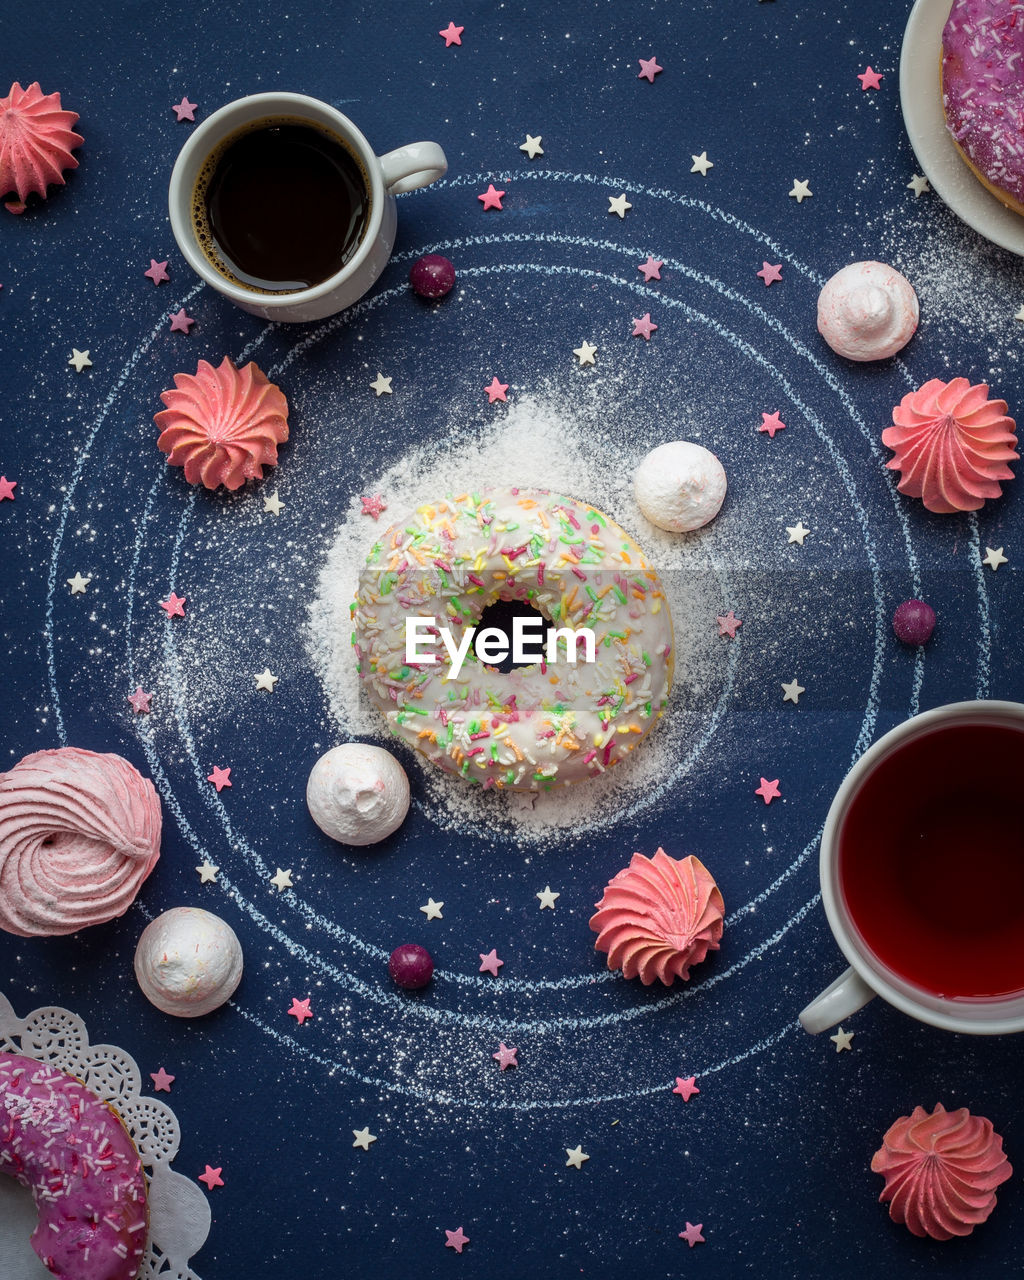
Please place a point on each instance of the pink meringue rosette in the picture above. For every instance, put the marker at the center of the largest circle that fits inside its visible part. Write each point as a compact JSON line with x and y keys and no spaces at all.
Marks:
{"x":658,"y":917}
{"x":952,"y":445}
{"x":79,"y":833}
{"x":941,"y":1171}
{"x":222,"y":425}
{"x":36,"y":141}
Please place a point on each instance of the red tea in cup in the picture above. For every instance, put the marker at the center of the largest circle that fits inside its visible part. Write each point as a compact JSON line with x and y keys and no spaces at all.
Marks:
{"x":931,"y":861}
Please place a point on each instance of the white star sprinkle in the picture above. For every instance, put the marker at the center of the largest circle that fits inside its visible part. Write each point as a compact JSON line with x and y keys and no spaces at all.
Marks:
{"x":363,"y":1138}
{"x":283,"y":880}
{"x":994,"y":558}
{"x":266,"y":680}
{"x":791,"y":692}
{"x":701,"y":164}
{"x":919,"y":184}
{"x":842,"y":1039}
{"x":432,"y":910}
{"x":585,"y":353}
{"x":800,"y":190}
{"x":797,"y":532}
{"x":78,"y":584}
{"x":273,"y":505}
{"x":576,"y":1157}
{"x":547,"y":898}
{"x":80,"y":359}
{"x":1019,"y":315}
{"x":207,"y":873}
{"x":619,"y":205}
{"x":532,"y":146}
{"x":382,"y":386}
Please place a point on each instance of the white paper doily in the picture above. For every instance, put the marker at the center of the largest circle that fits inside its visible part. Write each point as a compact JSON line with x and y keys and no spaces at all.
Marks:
{"x":179,"y":1213}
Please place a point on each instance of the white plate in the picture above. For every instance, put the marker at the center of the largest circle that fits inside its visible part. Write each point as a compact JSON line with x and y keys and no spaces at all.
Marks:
{"x":940,"y":161}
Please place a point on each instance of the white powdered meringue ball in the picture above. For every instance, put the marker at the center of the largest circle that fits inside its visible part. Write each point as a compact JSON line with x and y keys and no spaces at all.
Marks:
{"x":680,"y":486}
{"x":867,"y":311}
{"x":188,"y":962}
{"x":358,"y":794}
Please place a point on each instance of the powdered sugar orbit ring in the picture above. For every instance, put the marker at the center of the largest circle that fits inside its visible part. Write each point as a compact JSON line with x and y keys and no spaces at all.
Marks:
{"x":559,"y":1008}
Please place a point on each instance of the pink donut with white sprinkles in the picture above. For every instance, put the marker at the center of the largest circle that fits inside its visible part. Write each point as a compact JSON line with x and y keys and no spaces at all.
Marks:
{"x":983,"y":92}
{"x":75,"y":1156}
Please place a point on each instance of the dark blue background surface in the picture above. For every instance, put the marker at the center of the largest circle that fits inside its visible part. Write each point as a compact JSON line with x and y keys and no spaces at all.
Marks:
{"x":772,"y":1156}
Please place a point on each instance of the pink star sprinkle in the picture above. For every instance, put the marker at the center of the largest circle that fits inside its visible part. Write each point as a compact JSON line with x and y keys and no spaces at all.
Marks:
{"x":185,"y":110}
{"x":452,"y":34}
{"x":220,"y":778}
{"x":729,"y":624}
{"x":140,"y":701}
{"x":212,"y":1177}
{"x":769,"y":274}
{"x":506,"y":1057}
{"x":643,"y":328}
{"x":491,"y":198}
{"x":648,"y":69}
{"x":651,"y":269}
{"x":769,"y":790}
{"x":692,"y":1234}
{"x":456,"y":1239}
{"x":173,"y":606}
{"x":180,"y":322}
{"x":496,"y":391}
{"x":686,"y":1088}
{"x":7,"y":488}
{"x":157,"y":270}
{"x":373,"y":506}
{"x":490,"y":963}
{"x":771,"y":423}
{"x":870,"y":79}
{"x":161,"y":1081}
{"x":300,"y":1010}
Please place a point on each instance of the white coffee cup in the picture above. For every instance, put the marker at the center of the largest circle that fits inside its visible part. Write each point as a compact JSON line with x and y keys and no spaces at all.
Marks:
{"x":404,"y":169}
{"x":867,"y":975}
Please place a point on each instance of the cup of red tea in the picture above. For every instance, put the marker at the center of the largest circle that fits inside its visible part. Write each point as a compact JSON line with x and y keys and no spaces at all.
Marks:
{"x":280,"y":203}
{"x":922,"y":873}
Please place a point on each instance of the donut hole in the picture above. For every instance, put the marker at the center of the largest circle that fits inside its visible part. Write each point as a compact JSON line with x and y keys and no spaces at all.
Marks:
{"x":501,"y":614}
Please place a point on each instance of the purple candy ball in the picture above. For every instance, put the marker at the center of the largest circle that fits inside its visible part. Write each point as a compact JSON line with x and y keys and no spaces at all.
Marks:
{"x":411,"y":966}
{"x":433,"y":276}
{"x":914,"y":622}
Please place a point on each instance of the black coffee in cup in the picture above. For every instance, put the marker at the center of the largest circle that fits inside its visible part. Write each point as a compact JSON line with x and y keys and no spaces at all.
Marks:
{"x":280,"y":205}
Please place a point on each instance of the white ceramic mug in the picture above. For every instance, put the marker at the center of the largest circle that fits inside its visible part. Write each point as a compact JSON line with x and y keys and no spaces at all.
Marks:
{"x":867,"y":975}
{"x":404,"y":169}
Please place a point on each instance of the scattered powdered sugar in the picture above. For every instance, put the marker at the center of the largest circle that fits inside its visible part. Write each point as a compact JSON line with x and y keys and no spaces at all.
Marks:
{"x":542,"y":442}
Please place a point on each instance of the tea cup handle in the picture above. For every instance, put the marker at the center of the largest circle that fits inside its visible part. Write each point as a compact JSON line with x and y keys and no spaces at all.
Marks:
{"x":411,"y":167}
{"x":844,"y":997}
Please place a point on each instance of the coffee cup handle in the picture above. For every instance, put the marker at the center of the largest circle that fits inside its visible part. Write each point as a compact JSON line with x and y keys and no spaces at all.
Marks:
{"x":844,"y":997}
{"x":409,"y":168}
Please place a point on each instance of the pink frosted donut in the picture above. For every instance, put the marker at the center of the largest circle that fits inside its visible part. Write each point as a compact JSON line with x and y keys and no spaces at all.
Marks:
{"x":73,"y":1153}
{"x":79,"y":833}
{"x":983,"y":93}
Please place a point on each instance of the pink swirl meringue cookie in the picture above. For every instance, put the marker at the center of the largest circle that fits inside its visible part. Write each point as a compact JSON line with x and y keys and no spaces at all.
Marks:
{"x":79,"y":833}
{"x":952,"y":445}
{"x":222,"y":425}
{"x":658,"y":917}
{"x":867,"y":311}
{"x":941,"y":1171}
{"x":36,"y":141}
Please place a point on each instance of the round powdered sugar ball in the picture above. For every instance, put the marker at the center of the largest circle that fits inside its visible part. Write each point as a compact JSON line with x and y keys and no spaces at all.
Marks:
{"x":358,"y":794}
{"x":188,"y":962}
{"x":680,"y":486}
